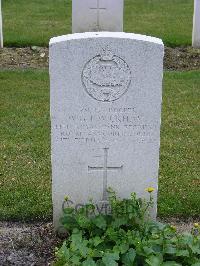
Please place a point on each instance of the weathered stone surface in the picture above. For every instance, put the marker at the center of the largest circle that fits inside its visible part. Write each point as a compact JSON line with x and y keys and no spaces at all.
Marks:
{"x":196,"y":25}
{"x":1,"y":28}
{"x":106,"y":91}
{"x":97,"y":15}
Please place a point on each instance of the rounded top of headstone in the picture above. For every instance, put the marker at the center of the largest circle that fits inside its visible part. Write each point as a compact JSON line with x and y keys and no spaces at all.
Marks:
{"x":104,"y":34}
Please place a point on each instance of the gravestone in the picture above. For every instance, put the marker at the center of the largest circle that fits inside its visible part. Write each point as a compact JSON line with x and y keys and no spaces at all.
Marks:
{"x":106,"y":91}
{"x":196,"y":25}
{"x":1,"y":28}
{"x":97,"y":15}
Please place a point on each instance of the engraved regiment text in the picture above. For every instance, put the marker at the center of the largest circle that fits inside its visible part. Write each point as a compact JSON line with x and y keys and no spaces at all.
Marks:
{"x":93,"y":125}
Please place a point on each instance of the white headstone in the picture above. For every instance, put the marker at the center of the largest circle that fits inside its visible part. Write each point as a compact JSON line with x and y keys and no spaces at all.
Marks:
{"x":196,"y":25}
{"x":1,"y":28}
{"x":106,"y":91}
{"x":97,"y":15}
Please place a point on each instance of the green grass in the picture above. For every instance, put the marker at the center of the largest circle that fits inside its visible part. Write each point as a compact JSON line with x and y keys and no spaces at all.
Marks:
{"x":25,"y":178}
{"x":180,"y":142}
{"x":25,"y":190}
{"x":35,"y":22}
{"x":170,"y":20}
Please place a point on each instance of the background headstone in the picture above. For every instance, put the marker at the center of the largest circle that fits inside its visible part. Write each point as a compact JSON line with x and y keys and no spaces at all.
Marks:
{"x":1,"y":28}
{"x":97,"y":15}
{"x":196,"y":25}
{"x":105,"y":115}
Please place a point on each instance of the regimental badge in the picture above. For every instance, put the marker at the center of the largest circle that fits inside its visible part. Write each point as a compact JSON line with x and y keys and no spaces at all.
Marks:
{"x":106,"y":77}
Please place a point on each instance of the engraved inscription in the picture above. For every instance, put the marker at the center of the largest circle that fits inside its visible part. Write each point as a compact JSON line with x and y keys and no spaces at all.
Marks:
{"x":106,"y":77}
{"x":97,"y":125}
{"x":105,"y":168}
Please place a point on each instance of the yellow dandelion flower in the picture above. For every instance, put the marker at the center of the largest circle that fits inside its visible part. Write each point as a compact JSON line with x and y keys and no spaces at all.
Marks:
{"x":150,"y":189}
{"x":173,"y":227}
{"x":196,"y":225}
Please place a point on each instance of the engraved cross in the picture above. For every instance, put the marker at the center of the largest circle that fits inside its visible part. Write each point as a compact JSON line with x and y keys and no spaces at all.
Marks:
{"x":98,"y":9}
{"x":105,"y":168}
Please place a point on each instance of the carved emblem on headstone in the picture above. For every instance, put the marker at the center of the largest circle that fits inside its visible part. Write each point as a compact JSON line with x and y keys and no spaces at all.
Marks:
{"x":106,"y":77}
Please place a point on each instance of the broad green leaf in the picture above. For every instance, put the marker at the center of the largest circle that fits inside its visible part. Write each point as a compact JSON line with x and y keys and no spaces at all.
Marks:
{"x":76,"y":236}
{"x":75,"y":260}
{"x":187,"y":238}
{"x":96,"y":241}
{"x":64,"y":251}
{"x":97,"y":253}
{"x":106,"y":239}
{"x":110,"y":259}
{"x":77,"y":243}
{"x":83,"y":221}
{"x":129,"y":257}
{"x":123,"y":248}
{"x":195,"y":248}
{"x":119,"y":222}
{"x":154,"y":261}
{"x":99,"y":221}
{"x":100,"y":263}
{"x":69,"y":222}
{"x":182,"y":253}
{"x":83,"y":250}
{"x":169,"y":249}
{"x":148,"y":250}
{"x":89,"y":262}
{"x":171,"y":263}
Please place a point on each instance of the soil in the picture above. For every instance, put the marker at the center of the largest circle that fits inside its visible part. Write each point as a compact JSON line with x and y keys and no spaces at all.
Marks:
{"x":27,"y":244}
{"x":33,"y":244}
{"x":179,"y":58}
{"x":23,"y":58}
{"x":182,"y":59}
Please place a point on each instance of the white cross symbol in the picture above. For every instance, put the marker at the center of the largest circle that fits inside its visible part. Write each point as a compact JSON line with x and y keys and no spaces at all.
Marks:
{"x":98,"y":9}
{"x":105,"y":168}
